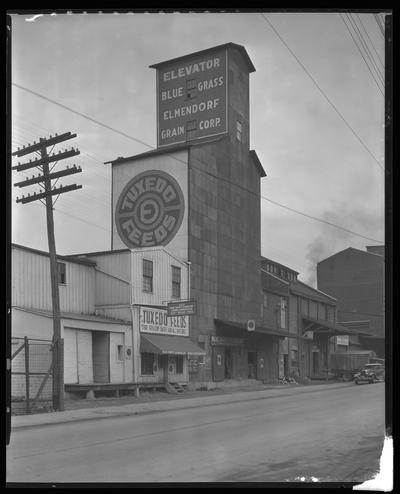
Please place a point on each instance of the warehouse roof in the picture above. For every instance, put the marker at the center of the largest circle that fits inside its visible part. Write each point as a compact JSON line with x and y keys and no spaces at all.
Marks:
{"x":70,"y":258}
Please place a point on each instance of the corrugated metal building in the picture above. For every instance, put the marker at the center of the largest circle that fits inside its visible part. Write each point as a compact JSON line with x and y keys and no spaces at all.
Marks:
{"x":96,"y":348}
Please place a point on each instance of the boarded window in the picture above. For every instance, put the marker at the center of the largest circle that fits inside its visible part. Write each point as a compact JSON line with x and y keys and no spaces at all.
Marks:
{"x":176,"y":282}
{"x":147,"y":362}
{"x":147,"y":275}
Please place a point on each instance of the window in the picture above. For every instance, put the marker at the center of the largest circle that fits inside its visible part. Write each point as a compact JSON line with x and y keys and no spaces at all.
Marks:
{"x":304,"y":307}
{"x":147,"y":361}
{"x":62,"y":273}
{"x":191,"y":125}
{"x":179,"y":364}
{"x":265,"y":301}
{"x":176,"y":282}
{"x":293,"y":356}
{"x":120,"y":352}
{"x":147,"y":275}
{"x":283,"y":313}
{"x":191,"y":86}
{"x":322,"y":312}
{"x":238,"y":131}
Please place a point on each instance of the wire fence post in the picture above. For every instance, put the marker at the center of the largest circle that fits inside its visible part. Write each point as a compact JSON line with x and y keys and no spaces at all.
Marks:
{"x":60,"y":371}
{"x":26,"y":344}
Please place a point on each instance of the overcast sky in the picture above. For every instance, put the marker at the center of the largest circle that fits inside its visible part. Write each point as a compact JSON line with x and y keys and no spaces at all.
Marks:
{"x":317,"y":162}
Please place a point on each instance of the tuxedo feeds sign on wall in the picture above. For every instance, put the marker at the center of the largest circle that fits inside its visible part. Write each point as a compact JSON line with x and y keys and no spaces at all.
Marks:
{"x":149,"y":210}
{"x":192,"y":98}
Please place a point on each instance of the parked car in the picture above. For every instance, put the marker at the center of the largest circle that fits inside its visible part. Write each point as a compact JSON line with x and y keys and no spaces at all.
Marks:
{"x":370,"y":373}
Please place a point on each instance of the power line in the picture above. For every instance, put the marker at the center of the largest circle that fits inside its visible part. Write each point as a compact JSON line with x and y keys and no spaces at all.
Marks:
{"x":378,"y":21}
{"x":371,"y":42}
{"x":366,"y":48}
{"x":82,"y":115}
{"x":323,"y":93}
{"x":359,"y":49}
{"x":90,"y":223}
{"x":203,"y":171}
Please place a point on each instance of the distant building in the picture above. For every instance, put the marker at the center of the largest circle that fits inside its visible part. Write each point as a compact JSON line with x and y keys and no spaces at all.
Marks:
{"x":356,"y":279}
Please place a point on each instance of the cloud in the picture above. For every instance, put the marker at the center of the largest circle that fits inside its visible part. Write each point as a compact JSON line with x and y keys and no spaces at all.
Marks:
{"x":331,"y":240}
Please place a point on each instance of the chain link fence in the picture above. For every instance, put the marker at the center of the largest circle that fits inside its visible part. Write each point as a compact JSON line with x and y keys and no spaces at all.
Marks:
{"x":31,"y":376}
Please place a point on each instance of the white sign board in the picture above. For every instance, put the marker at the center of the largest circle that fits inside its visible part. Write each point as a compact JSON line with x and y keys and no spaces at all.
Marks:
{"x":157,"y":321}
{"x":342,"y":340}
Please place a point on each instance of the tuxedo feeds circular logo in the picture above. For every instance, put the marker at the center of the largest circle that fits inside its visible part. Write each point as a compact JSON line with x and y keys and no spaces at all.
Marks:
{"x":149,"y":210}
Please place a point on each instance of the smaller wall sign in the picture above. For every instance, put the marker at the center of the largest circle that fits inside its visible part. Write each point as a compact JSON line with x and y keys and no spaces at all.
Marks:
{"x":182,"y":308}
{"x":342,"y":340}
{"x":226,"y":341}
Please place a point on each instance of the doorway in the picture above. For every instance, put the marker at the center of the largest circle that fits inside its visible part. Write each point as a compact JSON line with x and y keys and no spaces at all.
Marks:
{"x":228,"y":363}
{"x":101,"y":356}
{"x":286,"y":365}
{"x":252,"y":364}
{"x":315,"y":363}
{"x":218,"y":363}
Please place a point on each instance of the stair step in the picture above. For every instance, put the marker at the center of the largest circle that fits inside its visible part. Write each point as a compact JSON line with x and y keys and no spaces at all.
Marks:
{"x":174,"y":388}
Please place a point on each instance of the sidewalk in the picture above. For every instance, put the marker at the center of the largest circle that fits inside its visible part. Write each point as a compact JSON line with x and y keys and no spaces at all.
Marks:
{"x":178,"y":402}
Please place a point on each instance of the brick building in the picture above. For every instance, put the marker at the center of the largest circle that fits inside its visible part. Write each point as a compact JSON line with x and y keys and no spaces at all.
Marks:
{"x":356,"y":279}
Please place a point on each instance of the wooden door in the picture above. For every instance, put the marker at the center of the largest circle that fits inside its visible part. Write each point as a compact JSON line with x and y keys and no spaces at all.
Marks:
{"x":117,"y":357}
{"x":70,"y":357}
{"x":101,"y":356}
{"x":218,"y":363}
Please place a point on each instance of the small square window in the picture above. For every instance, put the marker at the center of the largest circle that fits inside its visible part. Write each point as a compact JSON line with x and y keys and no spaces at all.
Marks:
{"x":191,"y":125}
{"x":62,"y":273}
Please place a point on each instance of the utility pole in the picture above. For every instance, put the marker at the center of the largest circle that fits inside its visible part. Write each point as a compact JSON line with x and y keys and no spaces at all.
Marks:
{"x":45,"y":196}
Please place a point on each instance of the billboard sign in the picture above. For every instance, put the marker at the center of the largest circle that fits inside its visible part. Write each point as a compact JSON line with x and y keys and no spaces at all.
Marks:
{"x":149,"y":210}
{"x":157,"y":321}
{"x":192,"y":98}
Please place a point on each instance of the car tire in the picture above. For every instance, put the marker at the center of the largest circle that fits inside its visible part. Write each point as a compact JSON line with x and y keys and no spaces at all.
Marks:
{"x":356,"y":382}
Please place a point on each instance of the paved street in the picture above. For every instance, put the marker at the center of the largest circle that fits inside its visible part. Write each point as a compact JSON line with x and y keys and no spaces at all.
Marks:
{"x":330,"y":434}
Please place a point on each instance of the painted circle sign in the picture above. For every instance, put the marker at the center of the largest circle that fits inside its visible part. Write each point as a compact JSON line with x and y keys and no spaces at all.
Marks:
{"x":149,"y":210}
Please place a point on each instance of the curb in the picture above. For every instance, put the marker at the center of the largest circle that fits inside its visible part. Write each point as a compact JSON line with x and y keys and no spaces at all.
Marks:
{"x":93,"y":415}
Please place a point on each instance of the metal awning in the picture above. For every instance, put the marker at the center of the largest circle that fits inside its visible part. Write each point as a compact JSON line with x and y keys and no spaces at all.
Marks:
{"x":169,"y":345}
{"x":326,"y":327}
{"x":258,"y":329}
